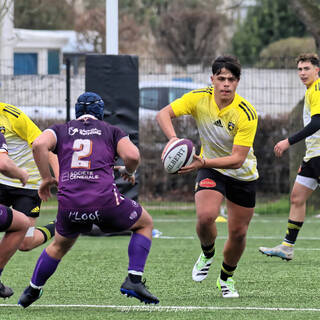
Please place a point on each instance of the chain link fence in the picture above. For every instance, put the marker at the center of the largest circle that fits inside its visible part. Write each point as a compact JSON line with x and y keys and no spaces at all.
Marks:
{"x":273,"y":92}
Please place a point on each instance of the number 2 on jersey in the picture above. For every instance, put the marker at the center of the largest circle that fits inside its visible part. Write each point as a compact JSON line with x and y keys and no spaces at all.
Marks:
{"x":82,"y":149}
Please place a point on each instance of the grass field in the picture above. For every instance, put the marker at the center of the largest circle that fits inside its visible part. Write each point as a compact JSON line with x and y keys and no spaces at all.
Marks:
{"x":86,"y":284}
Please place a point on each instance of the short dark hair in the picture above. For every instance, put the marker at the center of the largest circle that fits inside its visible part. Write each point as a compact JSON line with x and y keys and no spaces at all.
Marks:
{"x":230,"y":63}
{"x":308,"y":57}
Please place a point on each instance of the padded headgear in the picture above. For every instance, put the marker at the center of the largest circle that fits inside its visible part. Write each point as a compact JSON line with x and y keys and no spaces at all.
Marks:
{"x":90,"y":103}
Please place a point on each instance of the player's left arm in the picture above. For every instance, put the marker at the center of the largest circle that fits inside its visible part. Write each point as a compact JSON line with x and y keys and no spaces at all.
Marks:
{"x":234,"y":161}
{"x":242,"y":144}
{"x":130,"y":155}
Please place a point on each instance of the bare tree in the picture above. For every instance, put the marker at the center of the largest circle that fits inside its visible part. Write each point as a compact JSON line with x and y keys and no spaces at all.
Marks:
{"x":308,"y":12}
{"x":189,"y":34}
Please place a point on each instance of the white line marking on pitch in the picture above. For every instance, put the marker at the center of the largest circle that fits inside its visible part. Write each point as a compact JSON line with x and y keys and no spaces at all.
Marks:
{"x":224,"y":237}
{"x":252,"y":221}
{"x":162,"y":308}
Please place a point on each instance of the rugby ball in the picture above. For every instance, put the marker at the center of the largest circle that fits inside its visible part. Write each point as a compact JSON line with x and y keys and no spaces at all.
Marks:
{"x":179,"y":154}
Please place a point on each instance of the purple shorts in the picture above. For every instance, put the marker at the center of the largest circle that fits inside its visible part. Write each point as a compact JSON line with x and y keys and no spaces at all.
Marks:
{"x":73,"y":221}
{"x":5,"y":217}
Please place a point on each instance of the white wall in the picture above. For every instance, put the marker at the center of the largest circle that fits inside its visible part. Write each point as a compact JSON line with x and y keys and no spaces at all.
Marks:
{"x":6,"y":36}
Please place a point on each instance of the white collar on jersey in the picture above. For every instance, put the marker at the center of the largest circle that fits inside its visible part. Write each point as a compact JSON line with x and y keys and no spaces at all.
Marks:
{"x":87,"y":116}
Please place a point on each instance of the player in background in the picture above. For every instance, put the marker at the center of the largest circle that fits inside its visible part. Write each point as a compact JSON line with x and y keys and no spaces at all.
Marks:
{"x":226,"y":166}
{"x":308,"y":176}
{"x":14,"y":223}
{"x":20,"y":132}
{"x":87,"y":193}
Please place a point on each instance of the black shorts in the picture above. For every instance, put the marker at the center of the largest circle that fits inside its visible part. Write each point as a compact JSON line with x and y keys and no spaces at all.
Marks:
{"x":311,"y":169}
{"x":242,"y":193}
{"x":26,"y":201}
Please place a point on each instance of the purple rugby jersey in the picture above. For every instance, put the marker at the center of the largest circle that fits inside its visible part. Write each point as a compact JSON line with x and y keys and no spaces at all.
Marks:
{"x":86,"y":149}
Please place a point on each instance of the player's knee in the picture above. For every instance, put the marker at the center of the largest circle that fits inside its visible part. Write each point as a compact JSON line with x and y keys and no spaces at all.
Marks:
{"x":147,"y":221}
{"x":26,"y":245}
{"x":238,"y":235}
{"x":296,"y":200}
{"x":205,"y":218}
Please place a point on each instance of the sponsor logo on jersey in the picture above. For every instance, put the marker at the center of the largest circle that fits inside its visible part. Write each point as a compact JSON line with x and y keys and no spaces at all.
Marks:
{"x":83,"y":175}
{"x":2,"y":130}
{"x":79,"y":175}
{"x":218,"y":123}
{"x":83,"y":216}
{"x":207,"y":183}
{"x":231,"y":126}
{"x":134,"y":204}
{"x":72,"y":131}
{"x":133,"y":215}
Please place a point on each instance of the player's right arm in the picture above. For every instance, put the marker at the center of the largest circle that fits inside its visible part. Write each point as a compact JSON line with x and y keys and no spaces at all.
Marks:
{"x":11,"y":170}
{"x":41,"y":148}
{"x":182,"y":106}
{"x":164,"y":118}
{"x":7,"y":165}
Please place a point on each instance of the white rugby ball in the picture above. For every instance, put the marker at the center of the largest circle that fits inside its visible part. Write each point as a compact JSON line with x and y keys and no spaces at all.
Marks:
{"x":179,"y":154}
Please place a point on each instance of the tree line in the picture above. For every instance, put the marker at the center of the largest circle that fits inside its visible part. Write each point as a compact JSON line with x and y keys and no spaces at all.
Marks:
{"x":186,"y":31}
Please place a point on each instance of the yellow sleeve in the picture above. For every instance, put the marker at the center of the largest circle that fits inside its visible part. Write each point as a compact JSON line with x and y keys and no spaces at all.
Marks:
{"x":186,"y":105}
{"x":314,"y":102}
{"x":246,"y":132}
{"x":24,"y":127}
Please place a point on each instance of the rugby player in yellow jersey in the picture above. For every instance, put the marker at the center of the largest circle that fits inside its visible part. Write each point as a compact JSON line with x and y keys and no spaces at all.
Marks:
{"x":308,"y":176}
{"x":14,"y":223}
{"x":20,"y":132}
{"x":226,"y":165}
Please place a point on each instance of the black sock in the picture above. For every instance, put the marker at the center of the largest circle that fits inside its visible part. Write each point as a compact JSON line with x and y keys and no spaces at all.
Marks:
{"x":135,"y":278}
{"x":208,"y":251}
{"x":47,"y":230}
{"x":292,"y":231}
{"x":226,"y":271}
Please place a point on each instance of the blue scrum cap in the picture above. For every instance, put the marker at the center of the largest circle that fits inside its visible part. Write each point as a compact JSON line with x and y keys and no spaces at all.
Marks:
{"x":90,"y":103}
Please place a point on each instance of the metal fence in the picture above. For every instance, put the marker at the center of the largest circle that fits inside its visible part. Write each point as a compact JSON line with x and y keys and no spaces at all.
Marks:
{"x":273,"y":92}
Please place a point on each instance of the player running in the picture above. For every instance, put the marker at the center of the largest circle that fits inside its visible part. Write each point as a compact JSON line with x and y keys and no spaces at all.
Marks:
{"x":87,"y":193}
{"x":226,"y":166}
{"x":20,"y":132}
{"x":14,"y":223}
{"x":308,"y":177}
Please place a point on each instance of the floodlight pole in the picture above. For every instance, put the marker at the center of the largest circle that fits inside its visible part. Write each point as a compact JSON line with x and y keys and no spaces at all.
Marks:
{"x":112,"y":32}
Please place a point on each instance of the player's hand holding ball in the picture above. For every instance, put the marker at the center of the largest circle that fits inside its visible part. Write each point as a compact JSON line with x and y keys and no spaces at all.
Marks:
{"x":178,"y":154}
{"x":173,"y":139}
{"x":196,"y":164}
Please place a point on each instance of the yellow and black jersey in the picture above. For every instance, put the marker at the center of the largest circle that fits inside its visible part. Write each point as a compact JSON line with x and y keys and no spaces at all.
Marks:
{"x":19,"y":132}
{"x":312,"y":107}
{"x":219,"y":130}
